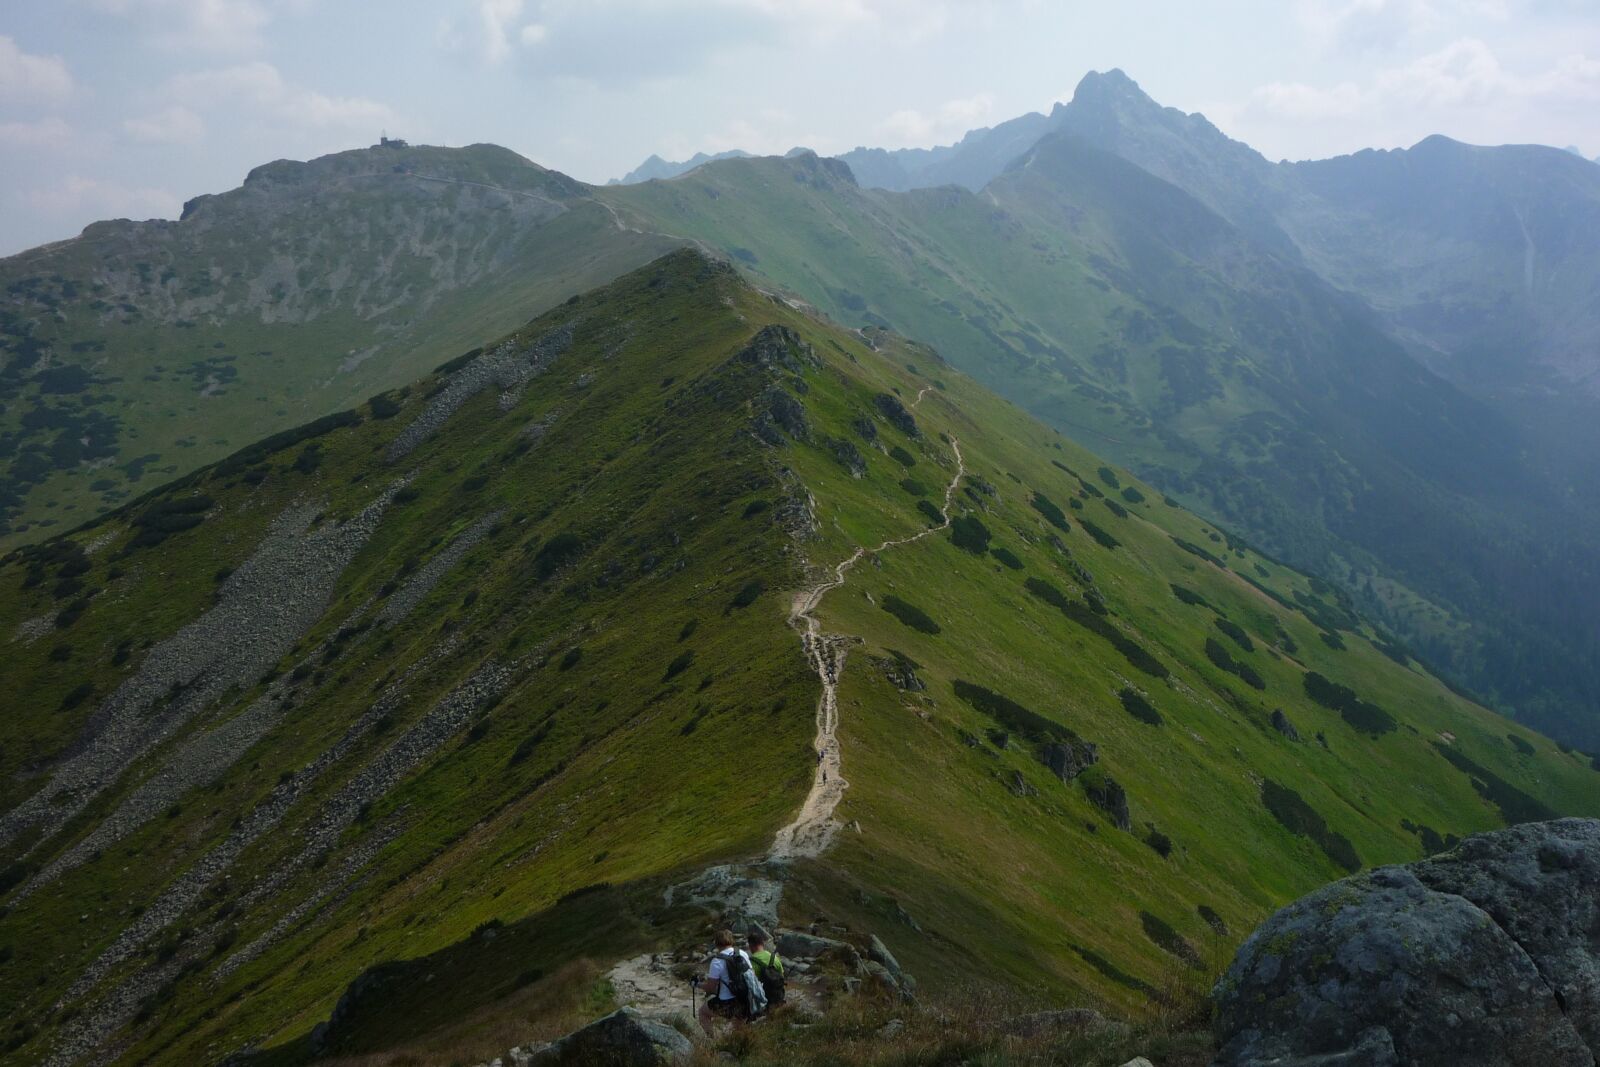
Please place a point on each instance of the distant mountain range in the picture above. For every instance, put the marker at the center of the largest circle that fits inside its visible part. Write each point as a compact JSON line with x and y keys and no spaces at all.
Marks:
{"x":657,"y":168}
{"x":512,"y":674}
{"x":1380,"y":368}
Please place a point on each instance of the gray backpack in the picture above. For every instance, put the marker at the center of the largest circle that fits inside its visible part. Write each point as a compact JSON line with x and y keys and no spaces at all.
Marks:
{"x":742,"y":983}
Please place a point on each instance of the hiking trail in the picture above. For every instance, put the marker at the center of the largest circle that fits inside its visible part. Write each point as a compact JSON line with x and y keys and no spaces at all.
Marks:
{"x":809,"y":835}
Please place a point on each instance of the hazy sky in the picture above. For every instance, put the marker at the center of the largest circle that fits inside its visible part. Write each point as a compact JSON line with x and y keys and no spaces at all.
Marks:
{"x":128,"y":107}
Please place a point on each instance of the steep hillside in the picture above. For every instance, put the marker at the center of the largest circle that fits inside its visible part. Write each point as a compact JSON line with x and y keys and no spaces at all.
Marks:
{"x":1122,"y":310}
{"x":140,"y":351}
{"x":480,"y":667}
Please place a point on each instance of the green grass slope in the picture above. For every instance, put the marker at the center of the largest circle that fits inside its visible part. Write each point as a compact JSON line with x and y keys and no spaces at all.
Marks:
{"x":140,"y":351}
{"x":472,"y":672}
{"x":1121,"y":310}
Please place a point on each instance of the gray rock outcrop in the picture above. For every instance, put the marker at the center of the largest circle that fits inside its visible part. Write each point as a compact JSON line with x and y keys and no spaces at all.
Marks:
{"x":1488,"y":955}
{"x":890,"y":407}
{"x":1068,"y":759}
{"x":1109,"y":796}
{"x":624,"y":1038}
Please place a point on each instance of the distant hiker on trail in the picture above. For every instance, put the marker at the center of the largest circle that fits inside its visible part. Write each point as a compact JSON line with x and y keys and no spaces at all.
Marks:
{"x":731,"y":987}
{"x":768,"y":967}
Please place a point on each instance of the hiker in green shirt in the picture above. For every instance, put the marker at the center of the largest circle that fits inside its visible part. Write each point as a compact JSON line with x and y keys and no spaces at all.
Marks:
{"x":767,"y":965}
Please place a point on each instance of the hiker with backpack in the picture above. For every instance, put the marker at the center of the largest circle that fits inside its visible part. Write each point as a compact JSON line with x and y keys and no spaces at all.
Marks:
{"x":733,"y":993}
{"x":768,"y":967}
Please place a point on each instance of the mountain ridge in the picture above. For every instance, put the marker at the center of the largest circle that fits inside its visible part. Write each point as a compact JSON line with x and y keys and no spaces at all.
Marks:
{"x":558,"y":604}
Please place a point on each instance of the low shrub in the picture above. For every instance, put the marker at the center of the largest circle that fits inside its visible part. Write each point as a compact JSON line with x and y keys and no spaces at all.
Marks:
{"x":1007,"y":557}
{"x":1103,"y":539}
{"x":910,"y":614}
{"x":747,"y":594}
{"x":1222,"y":660}
{"x":968,"y":532}
{"x":1052,"y":514}
{"x":1362,"y":716}
{"x":1137,"y":706}
{"x":1236,"y":634}
{"x":1515,"y":805}
{"x":1302,"y":820}
{"x":1085,"y":615}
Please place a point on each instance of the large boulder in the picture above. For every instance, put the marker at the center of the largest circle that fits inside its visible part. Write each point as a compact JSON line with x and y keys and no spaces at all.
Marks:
{"x":1488,"y":955}
{"x":624,"y":1038}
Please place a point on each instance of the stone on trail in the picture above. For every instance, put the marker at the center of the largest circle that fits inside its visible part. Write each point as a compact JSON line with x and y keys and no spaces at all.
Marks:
{"x":1488,"y":955}
{"x":622,"y":1039}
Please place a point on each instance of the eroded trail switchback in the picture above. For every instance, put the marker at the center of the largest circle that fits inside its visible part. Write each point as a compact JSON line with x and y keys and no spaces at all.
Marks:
{"x":814,"y":827}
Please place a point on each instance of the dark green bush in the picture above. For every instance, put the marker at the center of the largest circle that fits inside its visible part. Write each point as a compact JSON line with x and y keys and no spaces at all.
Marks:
{"x":910,"y":614}
{"x":679,"y":664}
{"x":1013,"y":716}
{"x":1052,"y":514}
{"x":1137,"y":706}
{"x":1302,"y":820}
{"x":1362,"y":716}
{"x":1132,"y":495}
{"x":755,"y":507}
{"x":1238,"y":636}
{"x":1103,"y":539}
{"x":251,"y":455}
{"x":1169,"y":940}
{"x":1189,"y":596}
{"x":1115,"y":508}
{"x":1515,"y":805}
{"x":77,"y":696}
{"x":1109,"y":476}
{"x":460,"y":361}
{"x":914,"y":487}
{"x":902,"y":457}
{"x":383,"y":406}
{"x":968,"y":532}
{"x":1517,"y":743}
{"x":747,"y":594}
{"x":570,"y":659}
{"x":1007,"y":557}
{"x":556,"y":553}
{"x":934,"y":515}
{"x":1085,"y":615}
{"x":1220,"y":658}
{"x":1195,"y":550}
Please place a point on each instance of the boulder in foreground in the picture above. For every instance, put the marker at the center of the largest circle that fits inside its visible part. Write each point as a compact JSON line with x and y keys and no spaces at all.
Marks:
{"x":1488,"y":955}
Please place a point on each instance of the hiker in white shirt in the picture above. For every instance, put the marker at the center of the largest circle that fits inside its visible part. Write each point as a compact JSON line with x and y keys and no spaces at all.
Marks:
{"x":720,"y":1001}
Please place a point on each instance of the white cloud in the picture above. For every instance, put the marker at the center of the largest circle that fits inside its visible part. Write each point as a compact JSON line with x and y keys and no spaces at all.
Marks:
{"x":171,"y":125}
{"x":950,"y":120}
{"x":1461,"y":76}
{"x":45,"y":133}
{"x":78,"y":197}
{"x":30,"y":79}
{"x":1465,"y":89}
{"x":260,"y":86}
{"x":499,"y":18}
{"x":207,"y":25}
{"x":1387,"y":24}
{"x":614,"y":40}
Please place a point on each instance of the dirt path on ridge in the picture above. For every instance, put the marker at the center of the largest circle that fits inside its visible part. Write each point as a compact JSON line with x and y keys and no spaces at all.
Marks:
{"x":813,"y":829}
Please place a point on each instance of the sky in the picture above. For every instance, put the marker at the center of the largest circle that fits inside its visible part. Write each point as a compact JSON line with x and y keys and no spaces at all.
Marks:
{"x":126,"y":108}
